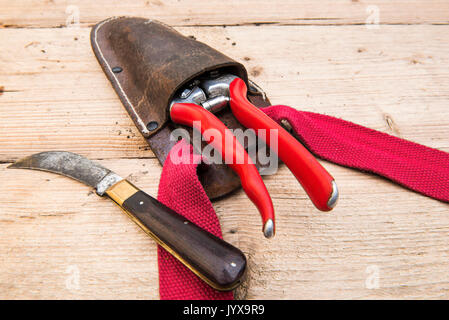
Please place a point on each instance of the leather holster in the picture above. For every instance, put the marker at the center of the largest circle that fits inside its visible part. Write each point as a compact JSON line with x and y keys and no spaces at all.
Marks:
{"x":148,"y":63}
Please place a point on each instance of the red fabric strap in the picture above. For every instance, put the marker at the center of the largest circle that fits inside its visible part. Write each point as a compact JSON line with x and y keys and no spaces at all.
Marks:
{"x":417,"y":167}
{"x":180,"y":190}
{"x":414,"y":166}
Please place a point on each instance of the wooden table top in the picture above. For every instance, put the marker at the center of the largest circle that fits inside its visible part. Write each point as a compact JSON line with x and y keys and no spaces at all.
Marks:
{"x":60,"y":241}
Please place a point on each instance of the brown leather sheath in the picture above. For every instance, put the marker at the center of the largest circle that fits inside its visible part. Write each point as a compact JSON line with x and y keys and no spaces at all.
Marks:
{"x":148,"y":63}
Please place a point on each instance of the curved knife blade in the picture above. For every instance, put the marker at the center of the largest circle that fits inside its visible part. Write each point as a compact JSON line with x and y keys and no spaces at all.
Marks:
{"x":71,"y":165}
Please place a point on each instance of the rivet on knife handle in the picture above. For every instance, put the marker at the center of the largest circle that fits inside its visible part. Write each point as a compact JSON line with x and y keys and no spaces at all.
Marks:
{"x":215,"y":261}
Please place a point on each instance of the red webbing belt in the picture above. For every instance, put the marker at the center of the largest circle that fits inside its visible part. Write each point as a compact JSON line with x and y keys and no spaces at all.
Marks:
{"x":414,"y":166}
{"x":417,"y":167}
{"x":180,"y":189}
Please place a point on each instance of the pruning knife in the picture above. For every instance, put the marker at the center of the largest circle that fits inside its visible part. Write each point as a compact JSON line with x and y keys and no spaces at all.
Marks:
{"x":204,"y":97}
{"x":213,"y":260}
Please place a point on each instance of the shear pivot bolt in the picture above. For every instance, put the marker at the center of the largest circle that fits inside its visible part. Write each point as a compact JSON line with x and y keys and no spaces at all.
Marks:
{"x":185,"y":93}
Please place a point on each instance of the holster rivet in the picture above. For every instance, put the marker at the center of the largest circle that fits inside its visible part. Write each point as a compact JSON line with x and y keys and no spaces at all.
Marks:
{"x":117,"y":69}
{"x":152,"y":125}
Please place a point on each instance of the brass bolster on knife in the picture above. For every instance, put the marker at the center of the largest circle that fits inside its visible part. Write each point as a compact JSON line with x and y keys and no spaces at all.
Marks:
{"x":121,"y":191}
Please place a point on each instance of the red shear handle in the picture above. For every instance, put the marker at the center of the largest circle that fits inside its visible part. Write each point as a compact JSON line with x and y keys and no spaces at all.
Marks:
{"x":222,"y":139}
{"x":316,"y":181}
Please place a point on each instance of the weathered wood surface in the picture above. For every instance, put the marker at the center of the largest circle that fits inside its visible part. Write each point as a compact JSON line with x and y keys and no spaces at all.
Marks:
{"x":54,"y":96}
{"x":55,"y":13}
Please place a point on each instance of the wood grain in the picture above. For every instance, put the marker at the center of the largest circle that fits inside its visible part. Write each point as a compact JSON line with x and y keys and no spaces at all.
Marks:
{"x":56,"y":13}
{"x":316,"y":56}
{"x":351,"y":72}
{"x":314,"y":254}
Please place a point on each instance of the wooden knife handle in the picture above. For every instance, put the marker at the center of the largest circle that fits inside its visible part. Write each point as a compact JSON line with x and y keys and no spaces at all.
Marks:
{"x":215,"y":261}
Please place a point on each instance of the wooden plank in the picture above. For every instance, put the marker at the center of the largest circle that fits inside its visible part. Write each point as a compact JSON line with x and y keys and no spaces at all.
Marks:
{"x":52,"y":225}
{"x":54,"y":96}
{"x":50,"y":239}
{"x":56,"y":13}
{"x":384,"y":79}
